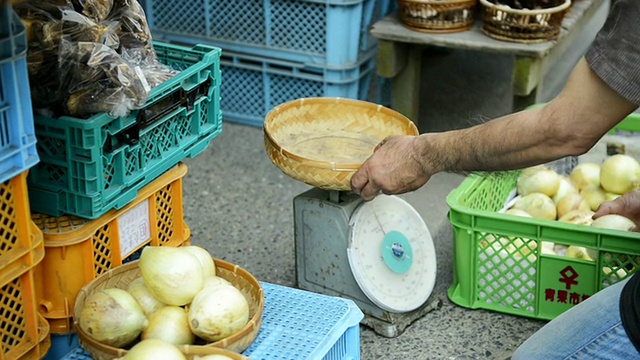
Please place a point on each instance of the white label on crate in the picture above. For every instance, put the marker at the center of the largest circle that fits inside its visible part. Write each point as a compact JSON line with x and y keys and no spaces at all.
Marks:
{"x":134,"y":228}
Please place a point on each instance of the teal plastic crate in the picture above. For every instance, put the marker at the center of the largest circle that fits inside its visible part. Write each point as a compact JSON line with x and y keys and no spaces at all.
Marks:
{"x":297,"y":325}
{"x":17,"y":135}
{"x":254,"y":85}
{"x":311,"y":32}
{"x":90,"y":166}
{"x":498,"y":263}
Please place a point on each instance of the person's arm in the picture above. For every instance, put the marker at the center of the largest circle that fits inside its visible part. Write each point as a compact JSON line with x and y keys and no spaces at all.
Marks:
{"x":569,"y":125}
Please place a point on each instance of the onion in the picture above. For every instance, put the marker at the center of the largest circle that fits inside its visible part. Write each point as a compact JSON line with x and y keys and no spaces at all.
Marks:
{"x":619,"y":174}
{"x":204,"y":257}
{"x":578,"y":217}
{"x":174,"y":276}
{"x":144,"y":297}
{"x":154,"y":349}
{"x":213,"y":357}
{"x":577,"y":252}
{"x":586,"y":175}
{"x":547,"y":248}
{"x":572,"y":202}
{"x":614,"y":222}
{"x":608,"y":196}
{"x":215,"y":281}
{"x":538,"y":205}
{"x":565,"y":187}
{"x":594,"y":195}
{"x":217,"y":312}
{"x":169,"y":324}
{"x":112,"y":316}
{"x":538,"y":180}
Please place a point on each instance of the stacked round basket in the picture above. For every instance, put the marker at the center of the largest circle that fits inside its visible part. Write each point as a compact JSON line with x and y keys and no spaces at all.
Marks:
{"x":524,"y":21}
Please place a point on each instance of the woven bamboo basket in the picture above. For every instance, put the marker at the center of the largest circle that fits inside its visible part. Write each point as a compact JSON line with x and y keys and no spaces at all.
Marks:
{"x":323,"y":141}
{"x":437,"y":16}
{"x":523,"y":25}
{"x":121,"y":276}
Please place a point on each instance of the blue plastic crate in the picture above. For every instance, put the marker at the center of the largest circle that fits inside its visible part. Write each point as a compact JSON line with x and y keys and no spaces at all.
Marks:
{"x":61,"y":345}
{"x":312,"y":32}
{"x":298,"y":325}
{"x":255,"y":85}
{"x":17,"y":136}
{"x":90,"y":166}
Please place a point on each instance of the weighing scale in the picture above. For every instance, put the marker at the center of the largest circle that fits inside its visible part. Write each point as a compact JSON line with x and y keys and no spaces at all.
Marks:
{"x":380,"y":254}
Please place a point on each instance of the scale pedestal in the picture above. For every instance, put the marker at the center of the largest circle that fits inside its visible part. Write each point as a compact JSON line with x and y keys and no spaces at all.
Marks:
{"x":329,"y":261}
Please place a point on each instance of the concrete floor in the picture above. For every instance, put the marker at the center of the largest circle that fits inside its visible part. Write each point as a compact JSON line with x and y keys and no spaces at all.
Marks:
{"x":239,"y":206}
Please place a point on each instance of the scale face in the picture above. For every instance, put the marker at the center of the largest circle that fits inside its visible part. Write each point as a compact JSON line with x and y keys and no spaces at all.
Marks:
{"x":391,"y":254}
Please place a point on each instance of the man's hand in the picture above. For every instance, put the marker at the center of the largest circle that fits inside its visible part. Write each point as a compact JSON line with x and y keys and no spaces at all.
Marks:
{"x":394,"y":168}
{"x":627,"y":205}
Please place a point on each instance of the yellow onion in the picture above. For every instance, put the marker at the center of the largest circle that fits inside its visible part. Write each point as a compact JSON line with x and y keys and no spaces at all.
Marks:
{"x":517,"y":212}
{"x":578,"y":252}
{"x":174,"y":276}
{"x":614,"y":222}
{"x":619,"y":174}
{"x":578,"y":217}
{"x":547,"y":248}
{"x":144,"y":297}
{"x":594,"y":195}
{"x":608,"y":196}
{"x":112,"y":316}
{"x":205,"y":259}
{"x":169,"y":324}
{"x":215,"y":281}
{"x":154,"y":349}
{"x":565,"y":187}
{"x":538,"y":180}
{"x":586,"y":175}
{"x":218,"y":312}
{"x":572,"y":202}
{"x":538,"y":205}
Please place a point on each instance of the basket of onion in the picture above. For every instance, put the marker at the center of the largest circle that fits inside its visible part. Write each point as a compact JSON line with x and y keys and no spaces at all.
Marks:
{"x":180,"y":296}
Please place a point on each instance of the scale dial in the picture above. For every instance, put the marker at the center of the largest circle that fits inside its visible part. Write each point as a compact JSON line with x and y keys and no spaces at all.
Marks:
{"x":391,"y":254}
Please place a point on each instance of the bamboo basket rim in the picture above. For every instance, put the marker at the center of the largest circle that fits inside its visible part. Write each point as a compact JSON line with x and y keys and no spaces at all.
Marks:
{"x":329,"y":165}
{"x":565,"y":5}
{"x":254,"y":322}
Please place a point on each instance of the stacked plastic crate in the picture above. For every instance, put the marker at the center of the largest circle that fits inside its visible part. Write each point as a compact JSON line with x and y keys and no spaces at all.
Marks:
{"x":280,"y":50}
{"x":24,"y":333}
{"x":104,"y":187}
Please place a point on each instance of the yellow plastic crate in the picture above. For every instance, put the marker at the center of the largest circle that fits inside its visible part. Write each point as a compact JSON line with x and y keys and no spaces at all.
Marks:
{"x":78,"y":250}
{"x":24,"y":333}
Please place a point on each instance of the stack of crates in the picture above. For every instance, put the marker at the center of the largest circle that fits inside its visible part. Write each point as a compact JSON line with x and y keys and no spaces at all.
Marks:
{"x":24,"y":333}
{"x":280,"y":50}
{"x":98,"y":189}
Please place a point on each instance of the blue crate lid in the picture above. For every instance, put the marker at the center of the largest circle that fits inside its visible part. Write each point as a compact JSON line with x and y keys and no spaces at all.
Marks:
{"x":298,"y":324}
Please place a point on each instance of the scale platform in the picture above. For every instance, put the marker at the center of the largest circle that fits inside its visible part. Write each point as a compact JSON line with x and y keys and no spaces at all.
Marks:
{"x":379,"y":254}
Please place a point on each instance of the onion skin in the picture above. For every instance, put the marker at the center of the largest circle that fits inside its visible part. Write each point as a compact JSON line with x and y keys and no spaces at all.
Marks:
{"x":572,"y":202}
{"x":586,"y":175}
{"x":594,"y":195}
{"x":578,"y":217}
{"x":169,"y":324}
{"x":620,"y":174}
{"x":614,"y":222}
{"x":204,"y":257}
{"x":173,"y":276}
{"x":112,"y":317}
{"x":154,"y":349}
{"x":144,"y":297}
{"x":538,"y":180}
{"x":565,"y":188}
{"x":218,"y":312}
{"x":538,"y":205}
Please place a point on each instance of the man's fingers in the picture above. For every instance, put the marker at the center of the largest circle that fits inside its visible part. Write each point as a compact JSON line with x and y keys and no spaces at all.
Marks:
{"x":359,"y":180}
{"x":369,"y":192}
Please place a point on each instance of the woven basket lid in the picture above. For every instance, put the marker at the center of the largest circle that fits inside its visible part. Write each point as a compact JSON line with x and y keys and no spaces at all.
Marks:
{"x":324,"y":141}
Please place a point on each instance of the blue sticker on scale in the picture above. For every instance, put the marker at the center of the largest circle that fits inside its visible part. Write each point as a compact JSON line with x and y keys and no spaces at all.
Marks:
{"x":397,"y":252}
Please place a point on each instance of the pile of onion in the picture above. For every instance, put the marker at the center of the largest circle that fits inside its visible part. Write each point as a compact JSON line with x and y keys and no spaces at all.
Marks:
{"x":178,"y":300}
{"x":542,"y":193}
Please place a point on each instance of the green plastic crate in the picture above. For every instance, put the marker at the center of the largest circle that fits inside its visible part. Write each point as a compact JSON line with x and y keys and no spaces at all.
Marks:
{"x":90,"y":166}
{"x":513,"y":276}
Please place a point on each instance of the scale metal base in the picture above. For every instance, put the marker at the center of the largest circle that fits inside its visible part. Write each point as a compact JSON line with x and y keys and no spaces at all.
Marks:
{"x":322,"y":230}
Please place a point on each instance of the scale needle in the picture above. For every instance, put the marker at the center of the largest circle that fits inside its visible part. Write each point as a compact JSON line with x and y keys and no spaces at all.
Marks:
{"x":375,"y":214}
